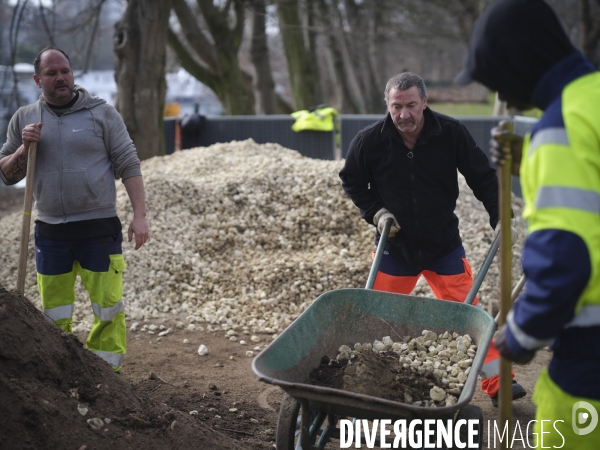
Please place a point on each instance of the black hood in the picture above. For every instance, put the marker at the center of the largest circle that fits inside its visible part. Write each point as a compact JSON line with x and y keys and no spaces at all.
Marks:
{"x":514,"y":43}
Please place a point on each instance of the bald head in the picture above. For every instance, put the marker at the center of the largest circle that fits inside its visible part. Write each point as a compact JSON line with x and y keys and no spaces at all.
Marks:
{"x":38,"y":58}
{"x":54,"y":76}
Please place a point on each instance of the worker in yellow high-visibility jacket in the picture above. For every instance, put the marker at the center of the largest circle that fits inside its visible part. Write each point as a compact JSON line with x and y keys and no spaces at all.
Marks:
{"x":520,"y":50}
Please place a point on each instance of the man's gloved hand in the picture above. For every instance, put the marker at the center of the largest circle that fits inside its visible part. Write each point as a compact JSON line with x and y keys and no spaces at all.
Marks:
{"x":524,"y":357}
{"x":514,"y":234}
{"x":379,"y":220}
{"x":500,"y":143}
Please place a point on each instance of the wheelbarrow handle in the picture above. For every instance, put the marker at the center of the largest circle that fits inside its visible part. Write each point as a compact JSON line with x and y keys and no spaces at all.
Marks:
{"x":487,"y":262}
{"x":379,"y":253}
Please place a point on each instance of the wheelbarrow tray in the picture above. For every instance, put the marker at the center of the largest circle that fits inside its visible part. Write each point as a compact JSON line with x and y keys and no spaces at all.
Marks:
{"x":347,"y":316}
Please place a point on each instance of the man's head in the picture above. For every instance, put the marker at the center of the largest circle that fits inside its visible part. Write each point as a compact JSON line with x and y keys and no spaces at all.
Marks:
{"x":54,"y":76}
{"x":514,"y":43}
{"x":406,"y":99}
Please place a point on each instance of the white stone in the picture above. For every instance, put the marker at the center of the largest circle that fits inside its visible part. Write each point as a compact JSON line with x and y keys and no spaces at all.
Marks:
{"x":379,"y":346}
{"x":96,"y":423}
{"x":202,"y":350}
{"x":465,"y":363}
{"x":387,"y":341}
{"x":344,"y":348}
{"x":429,"y":336}
{"x":437,"y":394}
{"x":450,"y":400}
{"x":165,"y":332}
{"x":83,"y":410}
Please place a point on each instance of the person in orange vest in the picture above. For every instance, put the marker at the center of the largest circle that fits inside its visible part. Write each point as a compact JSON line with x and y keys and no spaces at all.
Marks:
{"x":404,"y":167}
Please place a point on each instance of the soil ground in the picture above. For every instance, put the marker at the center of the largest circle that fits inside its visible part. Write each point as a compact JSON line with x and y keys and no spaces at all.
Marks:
{"x":149,"y":404}
{"x":188,"y":378}
{"x":43,"y":370}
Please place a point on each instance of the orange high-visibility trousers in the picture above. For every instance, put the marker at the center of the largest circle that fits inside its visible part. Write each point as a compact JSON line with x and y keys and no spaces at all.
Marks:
{"x":454,"y":287}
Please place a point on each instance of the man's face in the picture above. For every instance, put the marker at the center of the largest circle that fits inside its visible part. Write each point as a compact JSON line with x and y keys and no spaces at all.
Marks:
{"x":406,"y":109}
{"x":56,"y":78}
{"x":514,"y":104}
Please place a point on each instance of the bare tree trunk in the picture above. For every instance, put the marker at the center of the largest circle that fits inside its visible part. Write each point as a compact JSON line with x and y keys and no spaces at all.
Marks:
{"x":302,"y":71}
{"x":358,"y":16}
{"x":349,"y":64}
{"x":259,"y":55}
{"x":347,"y":101}
{"x":375,"y":41}
{"x":140,"y":45}
{"x":311,"y":8}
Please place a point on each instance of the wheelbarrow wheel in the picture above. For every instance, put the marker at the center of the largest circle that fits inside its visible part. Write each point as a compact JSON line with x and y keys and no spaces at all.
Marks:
{"x":471,"y":412}
{"x":288,"y":424}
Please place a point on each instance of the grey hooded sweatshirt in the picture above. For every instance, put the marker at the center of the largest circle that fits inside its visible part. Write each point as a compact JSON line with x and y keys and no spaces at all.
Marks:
{"x":79,"y":156}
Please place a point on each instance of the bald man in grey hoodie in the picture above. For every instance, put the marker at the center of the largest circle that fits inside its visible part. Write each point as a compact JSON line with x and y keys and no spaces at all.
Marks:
{"x":83,"y":146}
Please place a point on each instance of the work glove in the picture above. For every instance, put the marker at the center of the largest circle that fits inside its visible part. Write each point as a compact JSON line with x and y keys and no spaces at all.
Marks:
{"x":501,"y":143}
{"x":523,"y":357}
{"x":514,"y":234}
{"x":379,"y":220}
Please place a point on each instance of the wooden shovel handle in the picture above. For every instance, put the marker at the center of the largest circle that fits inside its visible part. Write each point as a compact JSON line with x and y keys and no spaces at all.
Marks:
{"x":27,"y":204}
{"x":505,"y":178}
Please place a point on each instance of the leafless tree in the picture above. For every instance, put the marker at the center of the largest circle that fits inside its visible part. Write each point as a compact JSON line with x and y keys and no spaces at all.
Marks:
{"x":264,"y":85}
{"x":207,"y":42}
{"x":140,"y":45}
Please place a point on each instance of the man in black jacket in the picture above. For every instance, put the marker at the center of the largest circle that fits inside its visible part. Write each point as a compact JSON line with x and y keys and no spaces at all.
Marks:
{"x":405,"y":167}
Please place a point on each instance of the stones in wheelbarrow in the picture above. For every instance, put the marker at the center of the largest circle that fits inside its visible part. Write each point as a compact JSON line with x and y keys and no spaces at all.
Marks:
{"x":445,"y":359}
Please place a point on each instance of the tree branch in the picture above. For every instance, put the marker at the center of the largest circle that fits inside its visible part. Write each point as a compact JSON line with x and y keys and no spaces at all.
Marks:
{"x":88,"y":53}
{"x":45,"y":24}
{"x":189,"y":63}
{"x":214,"y":18}
{"x":194,"y":35}
{"x":238,"y":31}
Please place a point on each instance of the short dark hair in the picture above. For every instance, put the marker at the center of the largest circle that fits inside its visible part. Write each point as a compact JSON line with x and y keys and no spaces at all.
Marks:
{"x":38,"y":58}
{"x":404,"y":81}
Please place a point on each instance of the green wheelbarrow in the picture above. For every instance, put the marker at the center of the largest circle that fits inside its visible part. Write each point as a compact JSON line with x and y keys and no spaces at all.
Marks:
{"x":309,"y":415}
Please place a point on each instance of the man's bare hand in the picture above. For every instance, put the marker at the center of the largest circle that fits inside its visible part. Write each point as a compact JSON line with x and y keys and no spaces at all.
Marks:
{"x":31,"y":133}
{"x":139,"y":228}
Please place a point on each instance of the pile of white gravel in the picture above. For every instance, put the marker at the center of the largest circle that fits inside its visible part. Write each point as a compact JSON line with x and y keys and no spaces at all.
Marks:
{"x":247,"y":235}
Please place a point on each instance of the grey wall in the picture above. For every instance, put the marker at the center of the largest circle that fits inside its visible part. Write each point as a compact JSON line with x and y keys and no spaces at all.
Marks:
{"x":264,"y":129}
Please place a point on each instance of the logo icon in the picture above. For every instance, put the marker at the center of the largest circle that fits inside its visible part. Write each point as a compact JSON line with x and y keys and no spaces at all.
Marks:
{"x":579,"y":418}
{"x":75,"y":131}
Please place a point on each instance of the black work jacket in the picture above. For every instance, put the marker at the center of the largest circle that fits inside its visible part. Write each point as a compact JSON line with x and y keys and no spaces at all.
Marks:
{"x":420,"y":187}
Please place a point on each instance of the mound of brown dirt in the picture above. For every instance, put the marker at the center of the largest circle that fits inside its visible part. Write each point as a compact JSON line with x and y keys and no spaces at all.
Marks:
{"x":47,"y":378}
